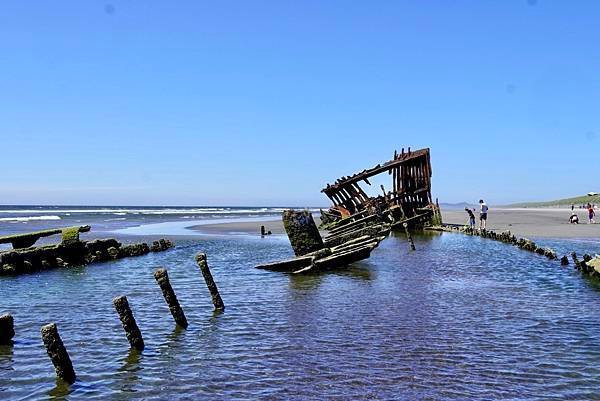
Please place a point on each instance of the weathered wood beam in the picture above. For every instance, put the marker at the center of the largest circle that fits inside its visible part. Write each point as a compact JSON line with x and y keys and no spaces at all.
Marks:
{"x":402,"y":159}
{"x":29,"y":239}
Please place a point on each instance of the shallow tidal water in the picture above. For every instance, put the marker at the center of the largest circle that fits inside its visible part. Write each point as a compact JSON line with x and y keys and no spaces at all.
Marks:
{"x":460,"y":318}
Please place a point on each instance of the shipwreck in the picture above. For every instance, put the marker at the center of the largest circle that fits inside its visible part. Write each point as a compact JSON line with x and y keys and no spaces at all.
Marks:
{"x":408,"y":201}
{"x":25,"y":257}
{"x":356,"y":223}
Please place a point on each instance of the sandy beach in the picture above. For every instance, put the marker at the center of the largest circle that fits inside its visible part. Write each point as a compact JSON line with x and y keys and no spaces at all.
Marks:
{"x":542,"y":222}
{"x":245,"y":227}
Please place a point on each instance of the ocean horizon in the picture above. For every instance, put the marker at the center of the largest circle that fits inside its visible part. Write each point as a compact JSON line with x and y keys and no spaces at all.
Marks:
{"x":126,"y":219}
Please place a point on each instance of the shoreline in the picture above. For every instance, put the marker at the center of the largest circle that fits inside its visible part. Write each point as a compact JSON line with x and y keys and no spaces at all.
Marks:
{"x":273,"y":224}
{"x":532,"y":222}
{"x":524,"y":222}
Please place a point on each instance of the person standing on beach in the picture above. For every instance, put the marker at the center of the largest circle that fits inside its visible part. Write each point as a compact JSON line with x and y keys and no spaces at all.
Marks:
{"x":591,"y":214}
{"x":471,"y":218}
{"x":483,"y":212}
{"x":572,"y":206}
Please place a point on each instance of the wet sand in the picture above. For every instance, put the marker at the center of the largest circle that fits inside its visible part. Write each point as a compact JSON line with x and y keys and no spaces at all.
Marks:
{"x":542,"y":222}
{"x":253,"y":227}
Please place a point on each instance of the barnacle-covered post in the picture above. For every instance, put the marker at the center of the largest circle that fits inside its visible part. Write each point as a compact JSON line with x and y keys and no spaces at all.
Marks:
{"x":210,"y":283}
{"x":58,"y":353}
{"x":162,"y":278}
{"x":132,"y":331}
{"x":302,"y":231}
{"x":410,"y":238}
{"x":7,"y":328}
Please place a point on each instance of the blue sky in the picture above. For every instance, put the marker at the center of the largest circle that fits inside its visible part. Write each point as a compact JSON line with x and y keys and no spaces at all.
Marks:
{"x":262,"y":103}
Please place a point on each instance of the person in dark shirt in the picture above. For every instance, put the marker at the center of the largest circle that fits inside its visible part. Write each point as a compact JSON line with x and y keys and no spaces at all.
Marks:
{"x":471,"y":218}
{"x":574,"y":219}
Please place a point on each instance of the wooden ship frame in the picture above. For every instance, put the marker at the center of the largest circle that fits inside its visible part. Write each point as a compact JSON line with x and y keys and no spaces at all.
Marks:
{"x":408,"y":202}
{"x":357,"y":223}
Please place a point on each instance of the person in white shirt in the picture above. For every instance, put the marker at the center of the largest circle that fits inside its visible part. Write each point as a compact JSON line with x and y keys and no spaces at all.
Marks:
{"x":483,"y":212}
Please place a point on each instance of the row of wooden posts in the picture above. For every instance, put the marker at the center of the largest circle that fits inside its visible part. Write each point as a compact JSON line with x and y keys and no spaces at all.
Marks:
{"x":56,"y":349}
{"x":588,"y":265}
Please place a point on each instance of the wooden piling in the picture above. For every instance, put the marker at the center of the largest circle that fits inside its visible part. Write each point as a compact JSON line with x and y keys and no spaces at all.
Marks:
{"x":7,"y":329}
{"x":58,"y":353}
{"x":210,"y":283}
{"x":410,"y":238}
{"x":162,"y":278}
{"x":575,"y":259}
{"x":134,"y":336}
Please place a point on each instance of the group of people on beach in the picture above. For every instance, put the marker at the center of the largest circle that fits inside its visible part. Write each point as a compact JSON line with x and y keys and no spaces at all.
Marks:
{"x":483,"y":214}
{"x":574,"y":219}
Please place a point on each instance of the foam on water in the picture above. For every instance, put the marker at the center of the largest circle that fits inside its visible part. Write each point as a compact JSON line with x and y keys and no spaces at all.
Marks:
{"x":30,"y":218}
{"x":111,"y":218}
{"x":183,"y":227}
{"x":152,"y":211}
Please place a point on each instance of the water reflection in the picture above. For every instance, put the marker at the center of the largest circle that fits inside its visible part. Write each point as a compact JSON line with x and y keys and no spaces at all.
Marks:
{"x":176,"y":333}
{"x":421,"y":236}
{"x":60,"y":391}
{"x":216,"y":314}
{"x":358,"y":271}
{"x":305,"y":282}
{"x":312,"y":280}
{"x":6,"y":356}
{"x":129,"y":371}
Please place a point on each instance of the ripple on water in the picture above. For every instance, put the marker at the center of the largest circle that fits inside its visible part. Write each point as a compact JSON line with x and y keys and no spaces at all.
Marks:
{"x":460,"y":318}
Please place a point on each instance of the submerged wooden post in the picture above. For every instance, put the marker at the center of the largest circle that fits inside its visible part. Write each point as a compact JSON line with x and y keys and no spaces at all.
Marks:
{"x":410,"y":238}
{"x":58,"y":353}
{"x":575,"y":260}
{"x":302,"y":231}
{"x":7,"y":328}
{"x":162,"y":278}
{"x":210,"y":283}
{"x":134,"y":336}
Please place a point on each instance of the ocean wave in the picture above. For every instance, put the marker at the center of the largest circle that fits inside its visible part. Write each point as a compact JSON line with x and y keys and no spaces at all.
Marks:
{"x":29,"y":218}
{"x":153,"y":211}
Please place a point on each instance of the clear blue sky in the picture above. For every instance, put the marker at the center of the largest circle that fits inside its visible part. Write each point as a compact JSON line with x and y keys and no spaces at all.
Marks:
{"x":263,"y":102}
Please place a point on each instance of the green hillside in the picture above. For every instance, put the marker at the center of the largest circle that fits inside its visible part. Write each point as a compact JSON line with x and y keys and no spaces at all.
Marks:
{"x":578,"y":200}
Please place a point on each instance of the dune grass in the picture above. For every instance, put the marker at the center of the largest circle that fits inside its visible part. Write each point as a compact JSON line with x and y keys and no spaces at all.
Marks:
{"x":577,"y":200}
